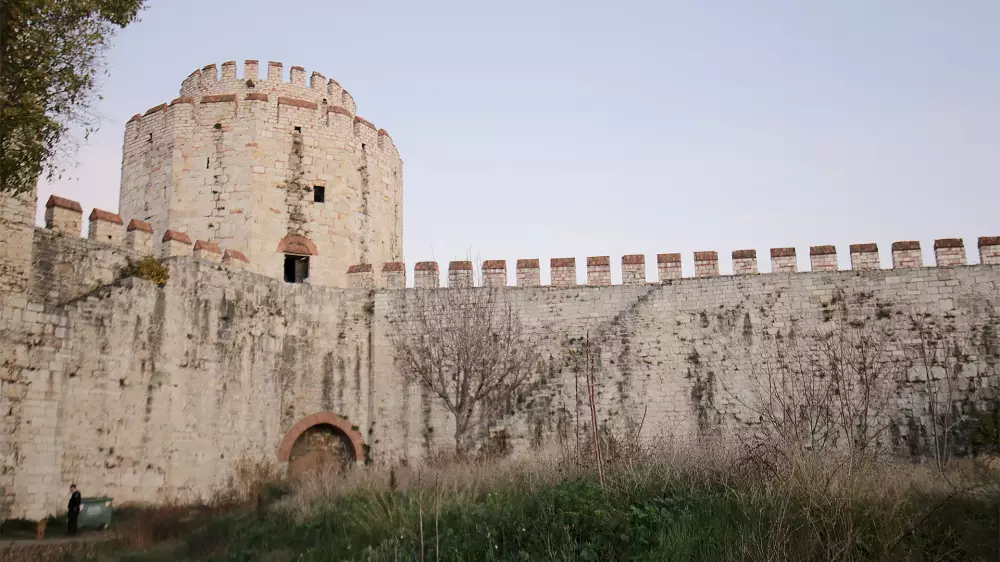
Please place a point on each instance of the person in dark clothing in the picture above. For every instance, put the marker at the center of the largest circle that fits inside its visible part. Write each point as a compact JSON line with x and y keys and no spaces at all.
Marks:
{"x":74,"y":509}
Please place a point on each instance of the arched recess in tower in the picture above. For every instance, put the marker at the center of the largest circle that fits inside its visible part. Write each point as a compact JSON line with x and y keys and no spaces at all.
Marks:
{"x":297,"y":250}
{"x":321,"y":442}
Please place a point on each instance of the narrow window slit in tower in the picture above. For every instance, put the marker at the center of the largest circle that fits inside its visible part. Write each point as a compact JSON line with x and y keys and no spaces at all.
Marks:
{"x":319,"y":194}
{"x":206,"y":162}
{"x":150,"y":139}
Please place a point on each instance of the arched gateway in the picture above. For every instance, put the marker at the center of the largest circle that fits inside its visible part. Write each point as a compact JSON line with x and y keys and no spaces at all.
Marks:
{"x":323,"y":439}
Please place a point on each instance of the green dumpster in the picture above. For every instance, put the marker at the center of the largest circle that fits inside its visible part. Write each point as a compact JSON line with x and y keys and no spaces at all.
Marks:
{"x":95,"y":513}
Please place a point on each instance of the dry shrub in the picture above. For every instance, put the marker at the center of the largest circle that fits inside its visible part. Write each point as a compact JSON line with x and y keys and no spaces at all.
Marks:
{"x":252,"y":480}
{"x":458,"y":478}
{"x":251,"y":483}
{"x":145,"y":526}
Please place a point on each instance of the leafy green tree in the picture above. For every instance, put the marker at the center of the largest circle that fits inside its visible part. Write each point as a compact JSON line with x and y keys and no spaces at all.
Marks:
{"x":51,"y":56}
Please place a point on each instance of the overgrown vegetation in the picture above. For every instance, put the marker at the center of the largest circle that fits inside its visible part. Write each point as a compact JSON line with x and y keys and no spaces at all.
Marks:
{"x":147,"y":268}
{"x":675,"y":503}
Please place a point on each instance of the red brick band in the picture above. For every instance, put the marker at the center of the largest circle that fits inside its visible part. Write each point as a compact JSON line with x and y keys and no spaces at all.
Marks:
{"x":297,"y":245}
{"x":235,"y":255}
{"x":822,"y":250}
{"x":63,"y":203}
{"x":364,"y":122}
{"x":706,"y":256}
{"x":142,"y":226}
{"x":218,"y":98}
{"x":207,"y":246}
{"x":295,"y":102}
{"x":176,"y":236}
{"x":100,"y":215}
{"x":948,"y":243}
{"x":782,"y":252}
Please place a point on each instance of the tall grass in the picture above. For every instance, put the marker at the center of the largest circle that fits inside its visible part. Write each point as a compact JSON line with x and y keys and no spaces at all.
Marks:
{"x":676,"y":502}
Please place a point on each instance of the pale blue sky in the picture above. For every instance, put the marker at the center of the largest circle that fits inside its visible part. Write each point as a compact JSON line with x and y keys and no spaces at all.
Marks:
{"x":544,"y":129}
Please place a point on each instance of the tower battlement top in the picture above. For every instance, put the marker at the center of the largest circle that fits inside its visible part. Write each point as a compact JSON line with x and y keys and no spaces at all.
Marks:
{"x":224,"y":79}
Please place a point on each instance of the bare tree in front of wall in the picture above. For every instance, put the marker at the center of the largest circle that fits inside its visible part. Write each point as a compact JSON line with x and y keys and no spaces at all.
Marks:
{"x":828,"y":388}
{"x":468,"y":347}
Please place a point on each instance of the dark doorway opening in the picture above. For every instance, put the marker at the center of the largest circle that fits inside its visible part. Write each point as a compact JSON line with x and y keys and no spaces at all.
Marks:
{"x":319,"y":194}
{"x":321,"y":448}
{"x":296,"y":268}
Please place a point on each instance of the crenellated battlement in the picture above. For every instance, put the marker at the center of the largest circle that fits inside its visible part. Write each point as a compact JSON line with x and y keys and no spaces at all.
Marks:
{"x":64,"y":216}
{"x":949,"y":252}
{"x":224,"y":78}
{"x":327,"y":99}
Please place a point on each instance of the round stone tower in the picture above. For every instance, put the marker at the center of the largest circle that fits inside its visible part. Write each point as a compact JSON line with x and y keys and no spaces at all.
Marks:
{"x":284,"y":171}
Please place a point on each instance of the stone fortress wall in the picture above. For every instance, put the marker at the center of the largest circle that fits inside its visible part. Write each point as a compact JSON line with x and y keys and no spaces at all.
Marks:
{"x":235,"y":161}
{"x":145,"y":392}
{"x":148,"y":392}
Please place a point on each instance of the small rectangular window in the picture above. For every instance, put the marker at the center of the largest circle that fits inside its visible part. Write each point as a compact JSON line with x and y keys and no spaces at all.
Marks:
{"x":298,"y":129}
{"x":319,"y":194}
{"x":296,"y":268}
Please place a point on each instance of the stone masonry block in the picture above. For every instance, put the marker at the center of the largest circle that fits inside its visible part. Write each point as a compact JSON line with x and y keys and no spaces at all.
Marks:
{"x":906,"y":254}
{"x":783,"y":260}
{"x":106,"y":228}
{"x":823,"y":258}
{"x":864,"y":256}
{"x":633,"y":269}
{"x":63,"y":215}
{"x":706,"y":264}
{"x":460,"y":274}
{"x":668,"y":266}
{"x":528,"y":273}
{"x":426,"y":275}
{"x":207,"y":251}
{"x":361,"y":276}
{"x":394,"y":275}
{"x":599,"y":270}
{"x":139,"y":237}
{"x":949,"y":252}
{"x":989,"y":250}
{"x":175,"y":244}
{"x":494,"y":273}
{"x":563,"y":271}
{"x":744,"y":262}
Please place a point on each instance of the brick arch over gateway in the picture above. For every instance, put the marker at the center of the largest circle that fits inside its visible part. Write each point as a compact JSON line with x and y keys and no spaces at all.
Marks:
{"x":322,"y":418}
{"x":295,"y":244}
